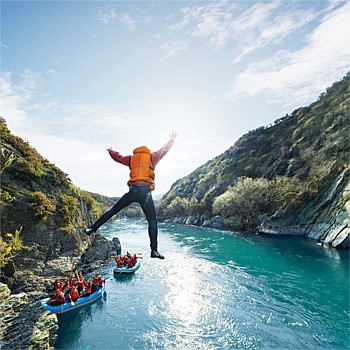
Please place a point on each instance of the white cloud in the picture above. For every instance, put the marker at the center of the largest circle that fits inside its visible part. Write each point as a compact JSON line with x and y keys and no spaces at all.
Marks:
{"x":303,"y":74}
{"x":13,"y":100}
{"x":155,"y":38}
{"x":128,"y":21}
{"x":109,"y":14}
{"x":211,"y":20}
{"x":263,"y":23}
{"x":262,"y":26}
{"x":173,"y":49}
{"x":106,"y":15}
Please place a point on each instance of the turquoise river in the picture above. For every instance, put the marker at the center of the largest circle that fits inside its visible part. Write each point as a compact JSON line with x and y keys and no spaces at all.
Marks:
{"x":216,"y":290}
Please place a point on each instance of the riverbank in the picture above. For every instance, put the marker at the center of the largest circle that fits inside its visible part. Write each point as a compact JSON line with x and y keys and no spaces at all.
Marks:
{"x":335,"y":233}
{"x":24,"y":324}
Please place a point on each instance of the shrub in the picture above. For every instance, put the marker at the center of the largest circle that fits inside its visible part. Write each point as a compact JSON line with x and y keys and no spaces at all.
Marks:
{"x":26,"y":170}
{"x":5,"y":197}
{"x":40,"y":205}
{"x":67,"y":208}
{"x":95,"y":207}
{"x":9,"y":246}
{"x":248,"y":198}
{"x":181,"y":207}
{"x":132,"y":212}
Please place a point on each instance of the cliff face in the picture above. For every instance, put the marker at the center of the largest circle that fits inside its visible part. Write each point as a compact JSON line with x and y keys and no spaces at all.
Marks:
{"x":39,"y":199}
{"x":40,"y":202}
{"x":325,"y":219}
{"x":23,"y":324}
{"x":309,"y":147}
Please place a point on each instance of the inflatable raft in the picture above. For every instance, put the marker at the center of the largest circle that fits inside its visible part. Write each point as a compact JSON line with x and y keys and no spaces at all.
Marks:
{"x":127,"y":270}
{"x":67,"y":306}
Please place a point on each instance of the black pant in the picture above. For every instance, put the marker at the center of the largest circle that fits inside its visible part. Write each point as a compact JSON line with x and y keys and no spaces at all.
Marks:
{"x":143,"y":196}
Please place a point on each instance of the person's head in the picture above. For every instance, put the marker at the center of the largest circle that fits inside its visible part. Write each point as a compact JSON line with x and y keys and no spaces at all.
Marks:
{"x":142,"y":149}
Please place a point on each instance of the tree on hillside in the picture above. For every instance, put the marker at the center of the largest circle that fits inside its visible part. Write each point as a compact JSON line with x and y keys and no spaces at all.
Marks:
{"x":243,"y":203}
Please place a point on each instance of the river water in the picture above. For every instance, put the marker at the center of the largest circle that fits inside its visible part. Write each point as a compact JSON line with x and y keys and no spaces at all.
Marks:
{"x":216,"y":290}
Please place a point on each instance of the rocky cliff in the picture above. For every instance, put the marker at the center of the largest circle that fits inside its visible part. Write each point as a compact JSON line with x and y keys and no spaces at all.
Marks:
{"x":326,"y":219}
{"x":308,"y":149}
{"x":42,"y":216}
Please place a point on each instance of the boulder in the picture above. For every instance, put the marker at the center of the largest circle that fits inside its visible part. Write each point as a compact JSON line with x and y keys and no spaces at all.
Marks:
{"x":206,"y":223}
{"x":24,"y":324}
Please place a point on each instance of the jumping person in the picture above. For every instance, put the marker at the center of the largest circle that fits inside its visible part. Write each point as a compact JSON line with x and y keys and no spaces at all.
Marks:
{"x":141,"y":183}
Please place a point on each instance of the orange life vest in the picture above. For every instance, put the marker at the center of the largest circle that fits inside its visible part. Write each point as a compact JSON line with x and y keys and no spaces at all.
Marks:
{"x":74,"y":294}
{"x":141,"y":167}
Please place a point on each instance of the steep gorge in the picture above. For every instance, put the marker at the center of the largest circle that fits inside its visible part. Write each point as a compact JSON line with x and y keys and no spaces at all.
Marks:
{"x":309,"y":147}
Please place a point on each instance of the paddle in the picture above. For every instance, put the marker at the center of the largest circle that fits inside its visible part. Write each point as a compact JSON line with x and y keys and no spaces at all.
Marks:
{"x":71,"y":301}
{"x":105,"y":292}
{"x":73,"y":264}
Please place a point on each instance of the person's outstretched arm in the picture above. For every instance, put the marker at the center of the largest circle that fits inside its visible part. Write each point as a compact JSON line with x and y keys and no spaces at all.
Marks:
{"x":118,"y":157}
{"x":158,"y":155}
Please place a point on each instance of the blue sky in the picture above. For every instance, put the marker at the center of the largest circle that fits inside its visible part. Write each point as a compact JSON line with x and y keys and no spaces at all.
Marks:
{"x":80,"y":76}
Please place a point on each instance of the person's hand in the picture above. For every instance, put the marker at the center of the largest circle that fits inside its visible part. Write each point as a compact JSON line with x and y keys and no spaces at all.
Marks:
{"x":173,"y":135}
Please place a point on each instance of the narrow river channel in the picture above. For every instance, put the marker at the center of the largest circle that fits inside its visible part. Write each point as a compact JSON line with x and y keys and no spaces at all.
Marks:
{"x":216,"y":290}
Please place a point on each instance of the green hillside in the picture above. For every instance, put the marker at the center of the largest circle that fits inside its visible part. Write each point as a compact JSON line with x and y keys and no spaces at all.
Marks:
{"x":273,"y":171}
{"x":40,"y":202}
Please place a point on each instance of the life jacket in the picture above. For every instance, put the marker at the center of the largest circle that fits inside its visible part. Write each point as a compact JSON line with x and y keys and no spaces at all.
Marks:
{"x":60,"y":297}
{"x":60,"y":285}
{"x":80,"y":283}
{"x":95,"y":280}
{"x":141,"y":167}
{"x":74,"y":294}
{"x":88,"y":287}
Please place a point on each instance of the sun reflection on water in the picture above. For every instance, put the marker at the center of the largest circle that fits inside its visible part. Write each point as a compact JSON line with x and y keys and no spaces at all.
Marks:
{"x":187,"y":307}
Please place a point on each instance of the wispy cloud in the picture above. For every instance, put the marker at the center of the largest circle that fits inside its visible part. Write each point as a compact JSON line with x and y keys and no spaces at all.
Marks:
{"x":14,"y":98}
{"x":211,"y":20}
{"x":127,"y":21}
{"x":172,"y":49}
{"x":109,"y":14}
{"x":264,"y":23}
{"x":287,"y":75}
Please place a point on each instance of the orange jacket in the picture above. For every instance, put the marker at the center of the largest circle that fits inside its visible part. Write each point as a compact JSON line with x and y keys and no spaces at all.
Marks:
{"x":155,"y":158}
{"x":141,"y":167}
{"x":88,"y":287}
{"x":74,"y":294}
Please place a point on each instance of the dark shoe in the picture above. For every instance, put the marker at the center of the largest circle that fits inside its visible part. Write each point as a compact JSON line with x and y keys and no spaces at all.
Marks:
{"x":155,"y":254}
{"x":89,"y":231}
